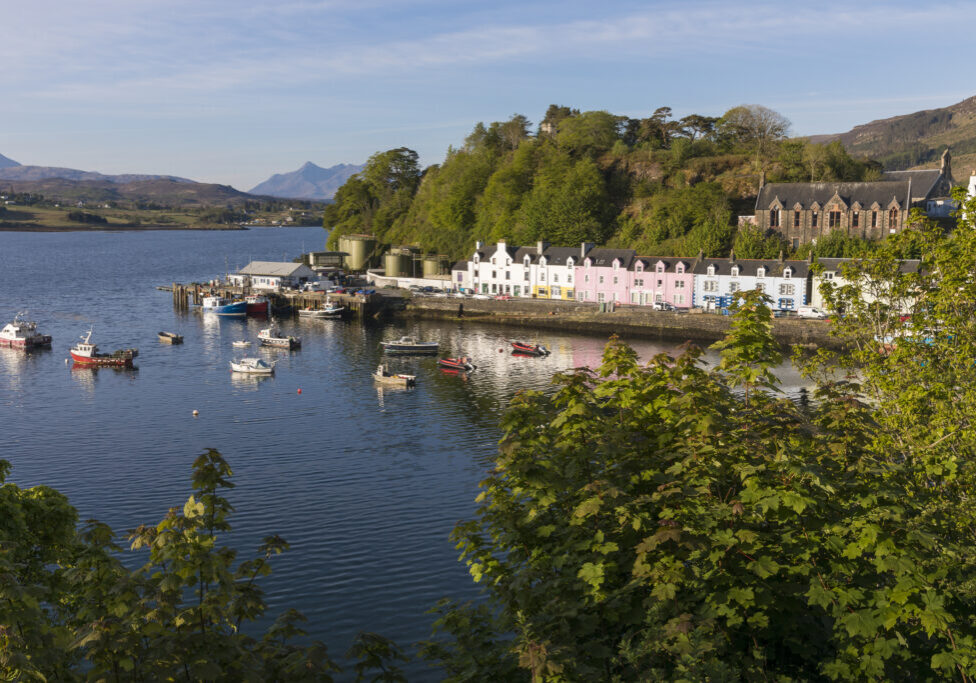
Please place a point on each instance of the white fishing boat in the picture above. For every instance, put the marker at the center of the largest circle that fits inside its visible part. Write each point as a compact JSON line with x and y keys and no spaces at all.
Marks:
{"x":22,"y":334}
{"x":384,"y":376}
{"x":409,"y":345}
{"x":329,"y":310}
{"x":253,"y":366}
{"x":272,"y":336}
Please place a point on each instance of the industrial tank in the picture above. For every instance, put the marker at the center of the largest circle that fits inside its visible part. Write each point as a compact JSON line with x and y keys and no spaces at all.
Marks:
{"x":359,"y":250}
{"x":436,"y":264}
{"x":397,"y":264}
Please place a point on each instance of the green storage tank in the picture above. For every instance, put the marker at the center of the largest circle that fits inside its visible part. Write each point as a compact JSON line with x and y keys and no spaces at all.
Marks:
{"x":360,"y":251}
{"x":436,"y":264}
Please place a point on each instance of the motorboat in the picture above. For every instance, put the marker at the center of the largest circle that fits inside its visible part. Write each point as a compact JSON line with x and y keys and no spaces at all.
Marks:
{"x":170,"y":338}
{"x":241,"y":344}
{"x":272,"y":336}
{"x":253,"y":366}
{"x":524,"y":349}
{"x":86,"y":352}
{"x":409,"y":345}
{"x":224,"y":307}
{"x":384,"y":376}
{"x":23,"y":334}
{"x":329,"y":310}
{"x":463,"y":363}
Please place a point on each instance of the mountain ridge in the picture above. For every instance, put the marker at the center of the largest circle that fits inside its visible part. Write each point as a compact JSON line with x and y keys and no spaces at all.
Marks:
{"x":25,"y":172}
{"x":7,"y":162}
{"x":309,"y":181}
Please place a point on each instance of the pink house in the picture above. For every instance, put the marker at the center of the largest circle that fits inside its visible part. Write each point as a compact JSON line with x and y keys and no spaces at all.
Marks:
{"x":604,"y":276}
{"x":660,"y":279}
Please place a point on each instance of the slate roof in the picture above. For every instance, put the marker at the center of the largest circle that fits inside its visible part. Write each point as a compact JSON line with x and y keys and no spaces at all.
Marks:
{"x":836,"y":264}
{"x":460,"y":265}
{"x":923,"y":180}
{"x":273,"y":268}
{"x":650,"y":263}
{"x":522,"y":252}
{"x":603,"y":258}
{"x":805,"y":194}
{"x":749,"y":267}
{"x":556,"y":256}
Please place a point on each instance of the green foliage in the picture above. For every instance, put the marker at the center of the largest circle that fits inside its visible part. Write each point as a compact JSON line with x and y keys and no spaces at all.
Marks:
{"x":85,"y":217}
{"x":752,"y":243}
{"x":71,"y":611}
{"x":665,"y":521}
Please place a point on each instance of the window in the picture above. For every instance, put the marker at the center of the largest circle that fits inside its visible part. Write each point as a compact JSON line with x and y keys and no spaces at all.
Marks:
{"x":679,"y":299}
{"x":660,"y":267}
{"x":555,"y":291}
{"x":638,"y":283}
{"x":508,"y":275}
{"x":796,"y":219}
{"x":796,"y":242}
{"x":679,"y":284}
{"x":814,"y":216}
{"x":601,"y":297}
{"x":774,"y":218}
{"x":634,"y":296}
{"x":735,"y":271}
{"x":460,"y":276}
{"x":601,"y":279}
{"x":710,"y":286}
{"x":492,"y":260}
{"x":508,"y":262}
{"x":525,"y":276}
{"x":660,"y":283}
{"x":760,"y":272}
{"x":494,"y":288}
{"x":579,"y":296}
{"x":586,"y":278}
{"x":516,"y":290}
{"x":787,"y":273}
{"x":733,"y":287}
{"x":833,"y":219}
{"x":658,"y":298}
{"x":680,"y":268}
{"x":711,"y":270}
{"x":787,"y":289}
{"x":874,"y":219}
{"x":893,"y":218}
{"x":761,"y":288}
{"x":615,"y":278}
{"x":856,"y":219}
{"x":542,"y":275}
{"x":569,"y":294}
{"x":827,"y":275}
{"x":569,"y":277}
{"x":494,"y":273}
{"x":555,"y":277}
{"x":508,"y":289}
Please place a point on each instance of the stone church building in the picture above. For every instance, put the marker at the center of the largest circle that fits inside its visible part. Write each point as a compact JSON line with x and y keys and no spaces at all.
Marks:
{"x":804,"y":212}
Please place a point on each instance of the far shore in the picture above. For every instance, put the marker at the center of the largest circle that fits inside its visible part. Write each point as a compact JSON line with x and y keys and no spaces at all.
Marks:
{"x":101,"y":227}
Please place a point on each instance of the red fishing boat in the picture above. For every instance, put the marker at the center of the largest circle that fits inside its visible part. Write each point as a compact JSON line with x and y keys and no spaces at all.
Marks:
{"x":86,"y":353}
{"x":524,"y":349}
{"x":257,"y":304}
{"x":463,"y":363}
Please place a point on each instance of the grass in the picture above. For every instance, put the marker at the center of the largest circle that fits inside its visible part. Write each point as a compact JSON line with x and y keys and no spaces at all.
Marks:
{"x":51,"y":218}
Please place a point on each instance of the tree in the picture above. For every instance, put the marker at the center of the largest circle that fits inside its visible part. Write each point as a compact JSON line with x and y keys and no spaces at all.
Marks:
{"x":70,"y":610}
{"x":752,"y":243}
{"x":757,"y":128}
{"x":664,"y":521}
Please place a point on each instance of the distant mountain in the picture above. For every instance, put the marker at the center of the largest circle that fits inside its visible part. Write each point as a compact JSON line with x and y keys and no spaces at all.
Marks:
{"x":917,"y":139}
{"x":16,"y":171}
{"x":308,"y":182}
{"x":7,"y":162}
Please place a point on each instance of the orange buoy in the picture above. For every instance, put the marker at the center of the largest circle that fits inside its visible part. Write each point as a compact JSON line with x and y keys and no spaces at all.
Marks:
{"x":299,"y":391}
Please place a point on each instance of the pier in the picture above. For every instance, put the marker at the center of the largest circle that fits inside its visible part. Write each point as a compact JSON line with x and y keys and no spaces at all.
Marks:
{"x":284,"y":302}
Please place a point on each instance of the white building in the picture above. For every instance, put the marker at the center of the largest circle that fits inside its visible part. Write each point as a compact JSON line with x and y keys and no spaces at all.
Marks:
{"x":541,"y":271}
{"x":272,"y":275}
{"x":785,"y":282}
{"x":832,"y":270}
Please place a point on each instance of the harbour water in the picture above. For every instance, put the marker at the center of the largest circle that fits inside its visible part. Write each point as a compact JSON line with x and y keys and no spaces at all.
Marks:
{"x":366,"y":483}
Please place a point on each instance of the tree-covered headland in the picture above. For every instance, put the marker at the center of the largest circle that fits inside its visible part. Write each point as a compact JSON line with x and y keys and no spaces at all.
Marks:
{"x":659,"y":185}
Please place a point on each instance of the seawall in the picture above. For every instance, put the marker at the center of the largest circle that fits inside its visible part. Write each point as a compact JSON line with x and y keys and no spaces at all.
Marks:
{"x":695,"y":326}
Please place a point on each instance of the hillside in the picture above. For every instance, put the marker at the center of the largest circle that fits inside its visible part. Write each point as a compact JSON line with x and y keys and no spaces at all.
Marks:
{"x":916,"y":140}
{"x":308,"y":182}
{"x":20,"y":172}
{"x":7,"y":162}
{"x":164,"y":192}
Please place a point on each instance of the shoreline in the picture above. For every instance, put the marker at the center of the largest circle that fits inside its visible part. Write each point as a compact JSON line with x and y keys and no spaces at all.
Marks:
{"x":626,"y":320}
{"x":101,"y":227}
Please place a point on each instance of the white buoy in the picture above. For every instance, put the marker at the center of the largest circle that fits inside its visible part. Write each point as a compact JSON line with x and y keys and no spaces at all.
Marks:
{"x":195,"y":413}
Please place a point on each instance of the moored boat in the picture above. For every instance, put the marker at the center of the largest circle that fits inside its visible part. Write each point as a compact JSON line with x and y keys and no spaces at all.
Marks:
{"x":409,"y":345}
{"x":272,"y":336}
{"x":463,"y":363}
{"x":170,"y":338}
{"x":329,"y":310}
{"x":257,"y":304}
{"x":224,"y":307}
{"x":23,"y":334}
{"x":253,"y":366}
{"x":525,"y":349}
{"x":86,"y":352}
{"x":384,"y":376}
{"x":241,"y":344}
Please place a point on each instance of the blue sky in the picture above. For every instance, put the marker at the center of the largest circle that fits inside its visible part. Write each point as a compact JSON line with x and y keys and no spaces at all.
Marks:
{"x":231,"y":91}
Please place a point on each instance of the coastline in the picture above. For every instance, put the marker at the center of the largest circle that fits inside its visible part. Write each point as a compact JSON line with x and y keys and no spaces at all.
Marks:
{"x":626,"y":320}
{"x":31,"y":227}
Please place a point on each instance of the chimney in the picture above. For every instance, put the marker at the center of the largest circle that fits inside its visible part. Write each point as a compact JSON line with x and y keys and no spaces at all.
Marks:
{"x":585,"y":247}
{"x":540,"y":247}
{"x":478,"y":245}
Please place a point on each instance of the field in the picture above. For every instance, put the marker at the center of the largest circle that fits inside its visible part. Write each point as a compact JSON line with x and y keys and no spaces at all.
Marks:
{"x":56,"y":219}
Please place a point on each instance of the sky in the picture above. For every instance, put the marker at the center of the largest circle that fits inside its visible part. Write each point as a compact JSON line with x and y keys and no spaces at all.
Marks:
{"x":232,"y":91}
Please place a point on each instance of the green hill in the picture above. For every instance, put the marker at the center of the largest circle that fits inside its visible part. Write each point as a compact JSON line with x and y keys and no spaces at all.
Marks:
{"x":916,"y":140}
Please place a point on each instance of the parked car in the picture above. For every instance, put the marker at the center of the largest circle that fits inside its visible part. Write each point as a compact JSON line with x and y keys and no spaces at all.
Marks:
{"x":663,"y":306}
{"x":811,"y":312}
{"x":480,"y":296}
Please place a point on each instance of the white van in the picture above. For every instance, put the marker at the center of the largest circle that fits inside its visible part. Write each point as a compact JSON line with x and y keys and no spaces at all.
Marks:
{"x":810,"y":312}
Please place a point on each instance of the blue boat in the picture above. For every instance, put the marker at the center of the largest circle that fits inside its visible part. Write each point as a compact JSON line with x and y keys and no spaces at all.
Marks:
{"x":221,"y":306}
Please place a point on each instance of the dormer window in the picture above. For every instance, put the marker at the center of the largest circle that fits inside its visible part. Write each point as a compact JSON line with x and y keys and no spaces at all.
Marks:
{"x":660,"y":267}
{"x":525,"y":261}
{"x":787,"y":273}
{"x":735,"y":271}
{"x":640,"y":267}
{"x":761,"y":271}
{"x":680,"y":268}
{"x":569,"y":262}
{"x":477,"y":259}
{"x":616,"y":264}
{"x":711,"y":270}
{"x":508,"y":262}
{"x":493,"y":261}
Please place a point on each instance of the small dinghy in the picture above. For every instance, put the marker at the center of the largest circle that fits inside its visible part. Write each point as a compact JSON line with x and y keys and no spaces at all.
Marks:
{"x":409,"y":345}
{"x":463,"y":363}
{"x":384,"y":376}
{"x":253,"y":366}
{"x":170,"y":338}
{"x":241,"y":344}
{"x":523,"y":349}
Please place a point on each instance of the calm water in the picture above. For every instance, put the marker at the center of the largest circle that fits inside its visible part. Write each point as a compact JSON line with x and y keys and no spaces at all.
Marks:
{"x":365,"y":483}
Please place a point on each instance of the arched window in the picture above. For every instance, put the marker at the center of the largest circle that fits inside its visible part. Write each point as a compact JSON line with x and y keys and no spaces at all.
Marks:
{"x":893,"y":218}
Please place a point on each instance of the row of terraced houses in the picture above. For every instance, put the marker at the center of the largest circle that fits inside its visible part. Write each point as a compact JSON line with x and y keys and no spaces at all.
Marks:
{"x":592,"y":274}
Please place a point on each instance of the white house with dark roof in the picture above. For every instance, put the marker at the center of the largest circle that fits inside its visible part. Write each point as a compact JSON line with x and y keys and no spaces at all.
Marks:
{"x":832,"y":270}
{"x":718,"y":279}
{"x":272,"y":275}
{"x":556,"y":270}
